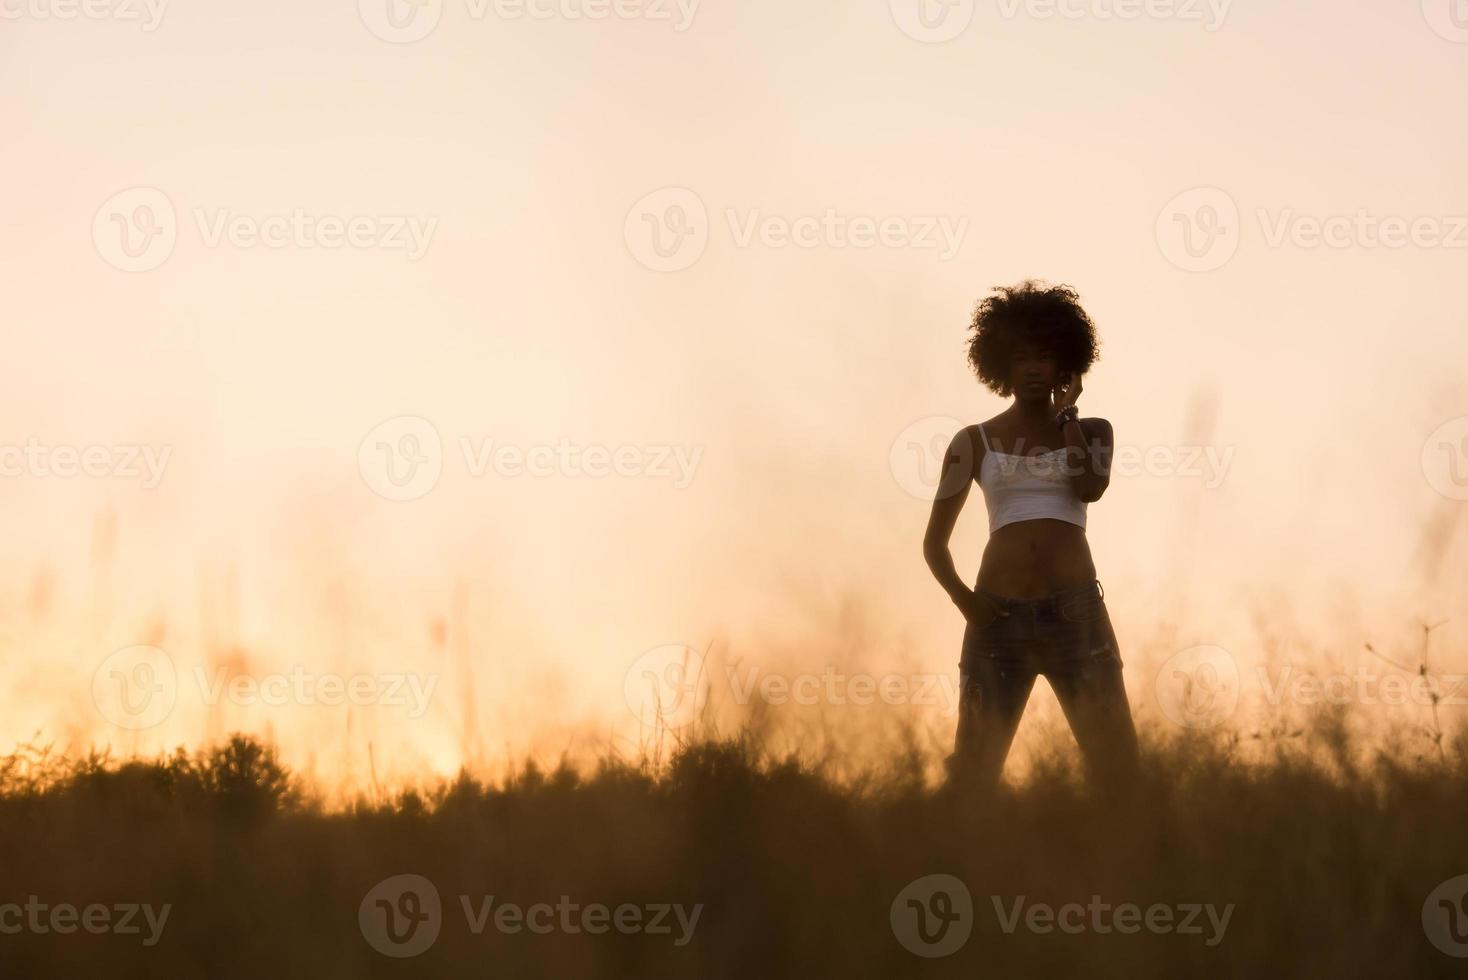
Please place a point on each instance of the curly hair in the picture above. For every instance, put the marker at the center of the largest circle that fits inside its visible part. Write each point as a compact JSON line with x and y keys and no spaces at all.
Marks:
{"x":1031,"y":312}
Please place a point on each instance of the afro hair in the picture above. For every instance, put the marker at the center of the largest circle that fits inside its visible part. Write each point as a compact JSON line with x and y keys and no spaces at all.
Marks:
{"x":1050,"y":317}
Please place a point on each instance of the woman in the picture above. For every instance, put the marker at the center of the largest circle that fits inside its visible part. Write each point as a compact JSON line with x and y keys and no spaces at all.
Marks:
{"x":1037,"y":606}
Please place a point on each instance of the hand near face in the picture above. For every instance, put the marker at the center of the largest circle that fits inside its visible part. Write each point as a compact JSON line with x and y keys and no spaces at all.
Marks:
{"x":1067,"y":391}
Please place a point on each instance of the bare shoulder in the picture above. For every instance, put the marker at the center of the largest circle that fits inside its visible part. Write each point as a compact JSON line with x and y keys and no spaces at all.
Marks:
{"x":969,"y":440}
{"x":989,"y":427}
{"x":967,"y":448}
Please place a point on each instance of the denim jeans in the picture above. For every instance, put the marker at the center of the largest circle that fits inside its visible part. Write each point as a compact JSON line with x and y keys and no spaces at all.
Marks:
{"x":1067,"y":637}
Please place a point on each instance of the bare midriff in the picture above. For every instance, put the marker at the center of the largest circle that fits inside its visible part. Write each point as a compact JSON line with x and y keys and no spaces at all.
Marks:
{"x":1032,"y":559}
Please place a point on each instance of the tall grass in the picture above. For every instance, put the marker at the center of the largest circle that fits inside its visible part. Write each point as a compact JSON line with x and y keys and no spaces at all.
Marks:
{"x":1327,"y":854}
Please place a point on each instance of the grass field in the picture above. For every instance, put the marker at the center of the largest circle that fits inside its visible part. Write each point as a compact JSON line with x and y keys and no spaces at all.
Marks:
{"x":724,"y":862}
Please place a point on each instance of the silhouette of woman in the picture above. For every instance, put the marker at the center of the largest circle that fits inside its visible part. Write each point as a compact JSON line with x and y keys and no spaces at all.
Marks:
{"x":1037,"y":606}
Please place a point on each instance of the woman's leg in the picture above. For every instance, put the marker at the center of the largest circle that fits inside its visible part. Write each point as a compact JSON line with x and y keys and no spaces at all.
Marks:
{"x":1086,"y":675}
{"x":992,"y":696}
{"x":1094,"y":700}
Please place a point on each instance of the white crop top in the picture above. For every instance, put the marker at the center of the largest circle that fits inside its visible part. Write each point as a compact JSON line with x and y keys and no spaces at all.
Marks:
{"x":1026,"y":488}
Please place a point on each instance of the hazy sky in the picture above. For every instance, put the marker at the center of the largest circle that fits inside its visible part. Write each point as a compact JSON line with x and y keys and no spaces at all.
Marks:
{"x":259,"y":261}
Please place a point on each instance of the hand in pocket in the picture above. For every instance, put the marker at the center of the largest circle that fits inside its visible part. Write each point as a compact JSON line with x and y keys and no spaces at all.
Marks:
{"x":981,"y":610}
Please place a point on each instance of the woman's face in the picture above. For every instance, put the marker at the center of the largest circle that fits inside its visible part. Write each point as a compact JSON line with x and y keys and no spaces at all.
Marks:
{"x":1033,"y":373}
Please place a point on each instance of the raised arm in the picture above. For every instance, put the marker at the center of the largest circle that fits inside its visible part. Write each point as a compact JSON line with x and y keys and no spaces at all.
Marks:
{"x":1089,"y":444}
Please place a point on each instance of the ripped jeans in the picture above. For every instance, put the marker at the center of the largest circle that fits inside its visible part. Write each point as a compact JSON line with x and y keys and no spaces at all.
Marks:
{"x":1067,"y":637}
